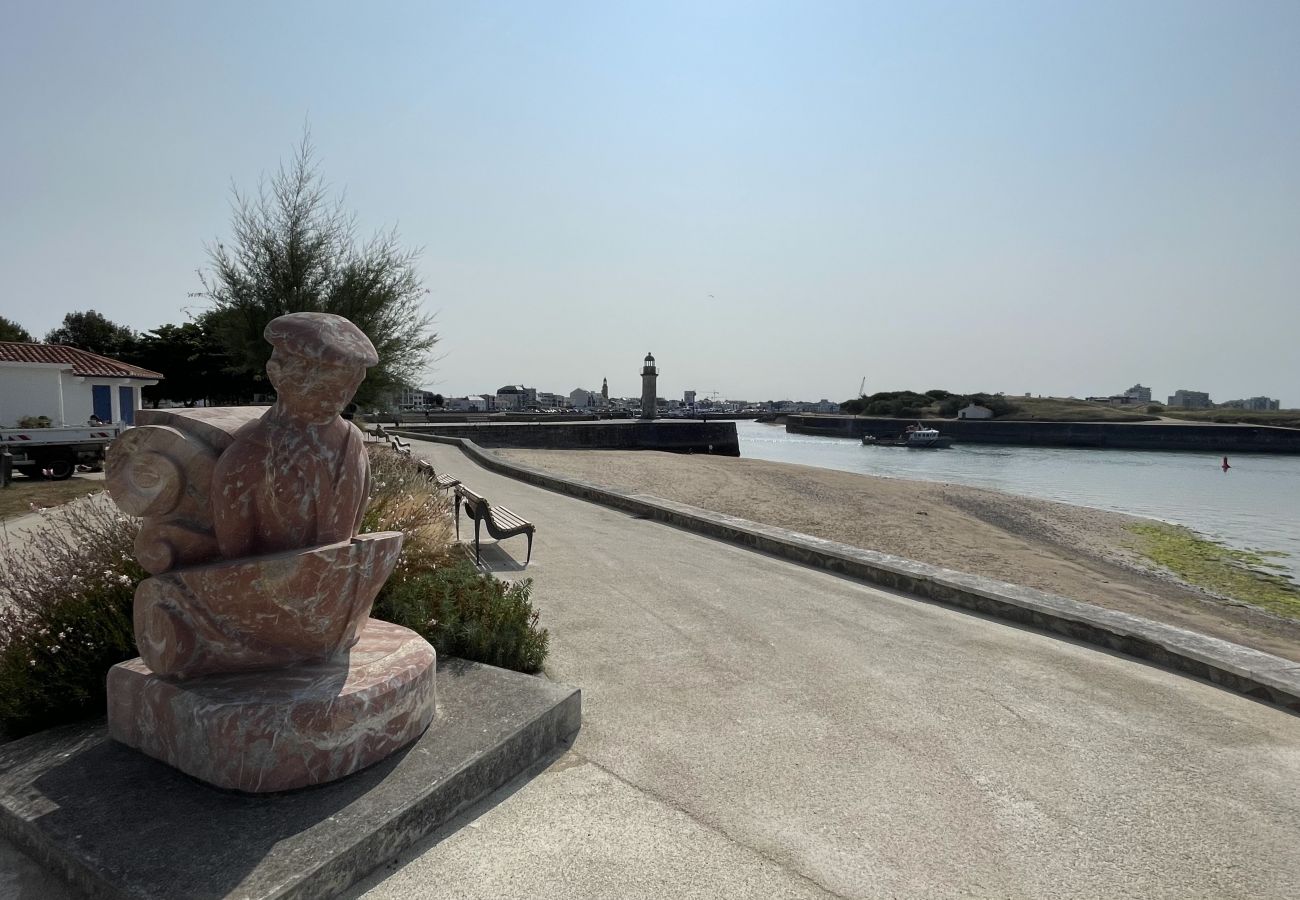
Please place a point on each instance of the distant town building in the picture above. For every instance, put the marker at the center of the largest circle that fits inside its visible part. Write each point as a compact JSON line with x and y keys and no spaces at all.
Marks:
{"x":974,"y":411}
{"x":475,"y":403}
{"x":513,"y":396}
{"x":1254,"y":404}
{"x":1114,"y":400}
{"x":1139,"y":394}
{"x":412,"y":398}
{"x":604,"y":391}
{"x":580,"y":398}
{"x":1182,"y":399}
{"x":688,"y":397}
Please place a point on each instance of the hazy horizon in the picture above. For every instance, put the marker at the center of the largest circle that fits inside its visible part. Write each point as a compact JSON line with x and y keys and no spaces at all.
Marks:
{"x":775,"y":199}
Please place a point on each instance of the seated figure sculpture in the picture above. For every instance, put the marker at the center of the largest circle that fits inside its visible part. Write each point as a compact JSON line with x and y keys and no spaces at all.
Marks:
{"x":299,"y":475}
{"x":259,"y":667}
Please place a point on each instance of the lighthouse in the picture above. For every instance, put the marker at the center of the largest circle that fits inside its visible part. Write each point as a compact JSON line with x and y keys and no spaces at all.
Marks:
{"x":649,"y":377}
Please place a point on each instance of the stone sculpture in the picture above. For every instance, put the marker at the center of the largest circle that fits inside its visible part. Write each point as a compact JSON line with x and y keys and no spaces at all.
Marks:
{"x":260,"y":669}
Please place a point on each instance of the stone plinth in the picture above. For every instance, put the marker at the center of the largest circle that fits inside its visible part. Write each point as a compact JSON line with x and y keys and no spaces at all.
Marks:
{"x":280,"y":729}
{"x":115,"y":823}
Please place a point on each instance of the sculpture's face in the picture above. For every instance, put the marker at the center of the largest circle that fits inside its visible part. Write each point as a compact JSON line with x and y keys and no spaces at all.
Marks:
{"x":310,"y":389}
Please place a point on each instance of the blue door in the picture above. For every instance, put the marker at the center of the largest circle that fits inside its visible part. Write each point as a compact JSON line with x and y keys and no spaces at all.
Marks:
{"x":126,"y":404}
{"x":102,"y":399}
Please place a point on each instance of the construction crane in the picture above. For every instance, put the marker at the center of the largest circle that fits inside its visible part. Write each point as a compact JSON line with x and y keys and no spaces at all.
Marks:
{"x":862,"y":388}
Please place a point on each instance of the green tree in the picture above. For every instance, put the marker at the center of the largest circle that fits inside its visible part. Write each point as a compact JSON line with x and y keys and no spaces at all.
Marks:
{"x":294,"y":250}
{"x":12,"y":331}
{"x":93,"y":331}
{"x":194,"y":363}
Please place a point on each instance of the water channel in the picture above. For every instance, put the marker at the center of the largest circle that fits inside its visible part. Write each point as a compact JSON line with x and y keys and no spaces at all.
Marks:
{"x":1255,"y":505}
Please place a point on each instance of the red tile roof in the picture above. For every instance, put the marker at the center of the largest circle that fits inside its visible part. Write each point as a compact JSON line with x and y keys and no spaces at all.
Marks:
{"x":82,"y":362}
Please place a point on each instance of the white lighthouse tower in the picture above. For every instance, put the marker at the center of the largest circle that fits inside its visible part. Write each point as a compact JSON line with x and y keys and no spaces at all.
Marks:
{"x":649,"y":378}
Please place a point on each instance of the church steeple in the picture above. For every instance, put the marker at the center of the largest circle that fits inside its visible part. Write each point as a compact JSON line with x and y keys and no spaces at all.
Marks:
{"x":604,"y":389}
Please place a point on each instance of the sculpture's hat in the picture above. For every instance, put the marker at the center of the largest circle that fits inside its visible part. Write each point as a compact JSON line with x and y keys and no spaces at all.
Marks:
{"x":326,"y":338}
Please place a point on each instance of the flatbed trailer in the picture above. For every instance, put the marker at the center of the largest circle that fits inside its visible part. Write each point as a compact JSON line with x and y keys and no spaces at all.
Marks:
{"x":56,"y":452}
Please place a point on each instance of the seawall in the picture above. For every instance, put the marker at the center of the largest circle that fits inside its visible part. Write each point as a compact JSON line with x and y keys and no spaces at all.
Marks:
{"x":1211,"y":438}
{"x":675,"y":436}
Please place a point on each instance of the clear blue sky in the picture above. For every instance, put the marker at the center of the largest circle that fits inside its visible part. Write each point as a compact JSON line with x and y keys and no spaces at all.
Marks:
{"x":777,"y":199}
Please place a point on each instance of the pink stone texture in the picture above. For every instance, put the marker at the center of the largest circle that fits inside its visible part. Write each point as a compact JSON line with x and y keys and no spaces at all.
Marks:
{"x":262,"y":612}
{"x":261,"y":584}
{"x":285,"y":728}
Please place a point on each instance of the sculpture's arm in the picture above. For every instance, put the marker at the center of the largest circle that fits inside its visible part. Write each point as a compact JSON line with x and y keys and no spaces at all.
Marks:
{"x":234,"y":504}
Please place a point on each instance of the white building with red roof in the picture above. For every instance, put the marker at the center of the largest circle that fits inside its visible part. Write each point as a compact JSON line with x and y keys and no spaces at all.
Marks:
{"x":67,"y":385}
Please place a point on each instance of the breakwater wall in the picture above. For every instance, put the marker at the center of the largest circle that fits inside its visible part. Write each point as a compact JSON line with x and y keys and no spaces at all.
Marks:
{"x":675,"y":436}
{"x":1098,"y":435}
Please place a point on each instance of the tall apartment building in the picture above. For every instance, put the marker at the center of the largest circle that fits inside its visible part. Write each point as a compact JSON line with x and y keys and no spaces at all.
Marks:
{"x":1139,"y":393}
{"x":1255,"y":404}
{"x":1190,"y":400}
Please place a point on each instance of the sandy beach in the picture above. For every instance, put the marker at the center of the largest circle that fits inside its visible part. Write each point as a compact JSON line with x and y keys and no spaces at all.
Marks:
{"x":1082,"y":553}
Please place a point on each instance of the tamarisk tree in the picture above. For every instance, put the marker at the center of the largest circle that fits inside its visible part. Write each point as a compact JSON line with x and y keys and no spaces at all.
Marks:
{"x":293,"y":249}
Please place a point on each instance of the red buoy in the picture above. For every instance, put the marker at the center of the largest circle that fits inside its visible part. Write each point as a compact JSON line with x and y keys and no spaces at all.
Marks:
{"x":1226,"y":467}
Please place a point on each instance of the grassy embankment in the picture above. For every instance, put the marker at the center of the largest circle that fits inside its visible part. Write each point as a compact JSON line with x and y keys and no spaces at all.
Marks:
{"x":1282,"y":418}
{"x":22,"y":493}
{"x":1057,"y":409}
{"x":1053,"y":409}
{"x":1240,"y":575}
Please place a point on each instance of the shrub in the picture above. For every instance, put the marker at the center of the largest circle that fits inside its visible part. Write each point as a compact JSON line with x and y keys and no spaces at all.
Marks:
{"x":65,"y":614}
{"x":471,"y":615}
{"x":438,"y":594}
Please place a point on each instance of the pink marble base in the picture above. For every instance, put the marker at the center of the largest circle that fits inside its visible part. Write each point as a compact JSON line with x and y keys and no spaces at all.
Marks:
{"x":280,"y":729}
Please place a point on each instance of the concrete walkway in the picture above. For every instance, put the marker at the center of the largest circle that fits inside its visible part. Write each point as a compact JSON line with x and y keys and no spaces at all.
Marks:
{"x":754,"y":728}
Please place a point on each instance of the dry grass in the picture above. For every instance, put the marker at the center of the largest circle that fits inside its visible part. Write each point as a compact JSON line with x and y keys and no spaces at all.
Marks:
{"x":1280,"y":418}
{"x":402,"y":499}
{"x":23,"y":493}
{"x":1057,"y":409}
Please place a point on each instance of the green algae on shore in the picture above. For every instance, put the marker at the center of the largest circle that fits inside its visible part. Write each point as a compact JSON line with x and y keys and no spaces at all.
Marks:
{"x":1236,"y":574}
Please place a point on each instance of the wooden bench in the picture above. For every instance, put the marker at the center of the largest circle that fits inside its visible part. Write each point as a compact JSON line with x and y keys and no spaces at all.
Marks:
{"x":501,"y":522}
{"x":443,"y":482}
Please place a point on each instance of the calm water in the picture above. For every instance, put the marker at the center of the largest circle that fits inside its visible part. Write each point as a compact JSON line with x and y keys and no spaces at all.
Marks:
{"x":1255,"y":505}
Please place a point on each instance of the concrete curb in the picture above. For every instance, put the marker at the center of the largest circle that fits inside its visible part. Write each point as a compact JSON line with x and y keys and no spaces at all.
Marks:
{"x":1252,"y":673}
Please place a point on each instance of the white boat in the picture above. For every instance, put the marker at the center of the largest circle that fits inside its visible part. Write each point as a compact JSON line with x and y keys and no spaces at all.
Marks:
{"x":918,"y":437}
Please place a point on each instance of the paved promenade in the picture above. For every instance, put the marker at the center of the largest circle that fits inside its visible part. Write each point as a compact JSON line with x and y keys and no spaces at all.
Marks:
{"x":755,"y":728}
